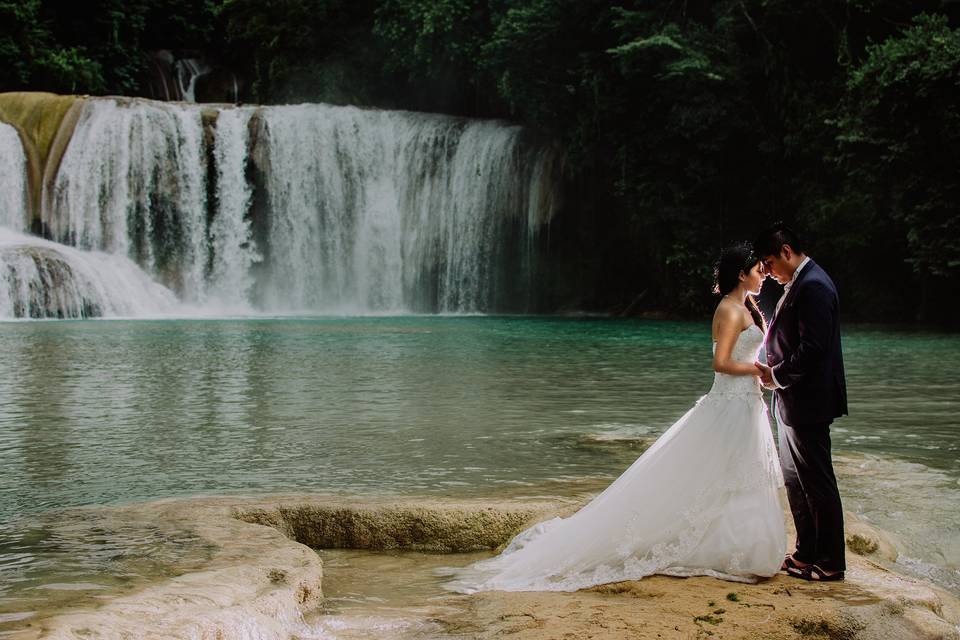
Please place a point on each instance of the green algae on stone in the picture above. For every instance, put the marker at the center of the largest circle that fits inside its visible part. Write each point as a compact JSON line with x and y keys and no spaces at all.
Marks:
{"x":45,"y":122}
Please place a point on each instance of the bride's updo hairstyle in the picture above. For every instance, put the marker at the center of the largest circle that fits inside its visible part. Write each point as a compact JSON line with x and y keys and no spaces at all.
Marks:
{"x":735,"y":259}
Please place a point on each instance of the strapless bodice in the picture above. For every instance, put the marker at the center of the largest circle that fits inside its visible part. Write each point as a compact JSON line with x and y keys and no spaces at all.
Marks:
{"x":745,"y":349}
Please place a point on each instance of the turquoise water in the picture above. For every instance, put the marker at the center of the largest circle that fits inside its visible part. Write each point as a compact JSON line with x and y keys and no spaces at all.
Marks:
{"x":109,"y":412}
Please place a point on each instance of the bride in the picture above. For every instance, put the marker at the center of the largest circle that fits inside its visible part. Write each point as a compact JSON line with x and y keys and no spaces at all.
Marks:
{"x":702,"y":500}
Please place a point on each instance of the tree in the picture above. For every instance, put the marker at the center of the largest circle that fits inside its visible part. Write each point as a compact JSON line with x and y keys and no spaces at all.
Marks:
{"x":898,"y":133}
{"x":294,"y":49}
{"x":32,"y":58}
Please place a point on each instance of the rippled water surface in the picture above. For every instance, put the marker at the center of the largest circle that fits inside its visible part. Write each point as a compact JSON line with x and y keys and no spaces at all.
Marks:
{"x":108,"y":412}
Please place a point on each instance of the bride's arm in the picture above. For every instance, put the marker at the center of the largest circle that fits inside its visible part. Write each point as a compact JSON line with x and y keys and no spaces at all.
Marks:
{"x":729,"y":323}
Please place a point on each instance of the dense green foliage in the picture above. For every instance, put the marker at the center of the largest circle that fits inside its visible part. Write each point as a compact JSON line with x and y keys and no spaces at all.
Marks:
{"x":30,"y":56}
{"x":684,"y":124}
{"x":97,"y":46}
{"x":899,"y":136}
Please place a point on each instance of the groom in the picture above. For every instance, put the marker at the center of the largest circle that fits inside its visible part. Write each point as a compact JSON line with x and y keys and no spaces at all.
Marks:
{"x":805,"y":369}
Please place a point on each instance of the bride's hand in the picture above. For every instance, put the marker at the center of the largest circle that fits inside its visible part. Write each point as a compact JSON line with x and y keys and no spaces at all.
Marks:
{"x":763,"y":371}
{"x":766,"y":375}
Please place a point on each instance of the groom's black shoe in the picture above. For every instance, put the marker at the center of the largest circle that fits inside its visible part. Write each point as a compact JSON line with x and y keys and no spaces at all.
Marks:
{"x":789,"y":562}
{"x":813,"y":573}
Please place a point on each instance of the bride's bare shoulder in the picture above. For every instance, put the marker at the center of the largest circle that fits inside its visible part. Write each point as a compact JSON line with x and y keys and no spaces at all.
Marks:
{"x":728,"y":315}
{"x":727,"y":310}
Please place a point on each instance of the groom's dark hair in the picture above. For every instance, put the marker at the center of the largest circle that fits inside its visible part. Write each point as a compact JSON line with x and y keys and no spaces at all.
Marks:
{"x":771,"y":241}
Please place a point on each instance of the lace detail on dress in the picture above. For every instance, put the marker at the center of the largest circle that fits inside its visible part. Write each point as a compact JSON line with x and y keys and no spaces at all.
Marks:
{"x":745,"y":349}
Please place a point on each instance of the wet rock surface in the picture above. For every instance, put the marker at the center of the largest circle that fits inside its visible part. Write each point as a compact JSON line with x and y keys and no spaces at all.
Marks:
{"x":264,"y":581}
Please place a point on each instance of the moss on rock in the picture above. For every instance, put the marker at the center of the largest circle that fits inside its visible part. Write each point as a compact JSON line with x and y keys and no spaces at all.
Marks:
{"x":45,"y":122}
{"x":413,"y":525}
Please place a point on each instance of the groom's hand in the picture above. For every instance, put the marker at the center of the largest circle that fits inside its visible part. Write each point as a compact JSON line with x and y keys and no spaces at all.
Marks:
{"x":766,"y":378}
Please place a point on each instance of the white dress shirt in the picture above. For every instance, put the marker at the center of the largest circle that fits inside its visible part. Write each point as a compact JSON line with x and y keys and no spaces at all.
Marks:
{"x":786,"y":290}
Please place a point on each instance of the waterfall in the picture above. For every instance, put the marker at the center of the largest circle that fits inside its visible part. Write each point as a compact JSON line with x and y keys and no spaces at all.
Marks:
{"x":13,"y":180}
{"x":232,"y":248}
{"x":42,"y":279}
{"x":330,"y":179}
{"x":187,"y":72}
{"x":132,"y":182}
{"x":308,"y":208}
{"x":394,"y":211}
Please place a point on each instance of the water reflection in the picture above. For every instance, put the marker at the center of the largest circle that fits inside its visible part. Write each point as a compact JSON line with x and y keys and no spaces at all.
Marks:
{"x":95,"y":413}
{"x":101,"y":412}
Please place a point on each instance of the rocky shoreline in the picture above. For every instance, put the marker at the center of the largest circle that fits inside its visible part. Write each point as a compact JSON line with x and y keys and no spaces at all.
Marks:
{"x":266,"y":581}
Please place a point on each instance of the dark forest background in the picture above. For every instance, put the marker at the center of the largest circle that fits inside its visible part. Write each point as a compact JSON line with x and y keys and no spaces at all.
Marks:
{"x":683,"y":124}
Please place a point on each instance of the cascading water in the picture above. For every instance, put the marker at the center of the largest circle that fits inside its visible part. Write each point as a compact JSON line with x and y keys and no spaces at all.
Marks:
{"x":13,"y":180}
{"x":42,"y":279}
{"x":132,"y":182}
{"x":188,"y":71}
{"x":232,"y":249}
{"x":308,"y":208}
{"x":395,"y":211}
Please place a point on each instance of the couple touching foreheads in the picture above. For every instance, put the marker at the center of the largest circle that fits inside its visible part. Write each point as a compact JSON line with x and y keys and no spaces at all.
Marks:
{"x":704,"y":499}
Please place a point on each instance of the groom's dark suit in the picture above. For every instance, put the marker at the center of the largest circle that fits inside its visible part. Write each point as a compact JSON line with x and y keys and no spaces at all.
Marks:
{"x":803,"y":349}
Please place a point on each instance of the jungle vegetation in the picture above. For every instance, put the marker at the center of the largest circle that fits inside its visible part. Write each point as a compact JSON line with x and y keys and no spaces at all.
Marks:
{"x":683,"y":124}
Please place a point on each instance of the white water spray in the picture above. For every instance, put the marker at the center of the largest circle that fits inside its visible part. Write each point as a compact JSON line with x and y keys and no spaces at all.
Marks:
{"x":42,"y":279}
{"x":232,"y":248}
{"x":307,"y":208}
{"x":13,"y":180}
{"x":132,"y":183}
{"x":395,"y":211}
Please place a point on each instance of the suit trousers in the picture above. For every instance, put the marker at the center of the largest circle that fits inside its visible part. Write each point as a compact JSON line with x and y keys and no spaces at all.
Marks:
{"x":812,"y":491}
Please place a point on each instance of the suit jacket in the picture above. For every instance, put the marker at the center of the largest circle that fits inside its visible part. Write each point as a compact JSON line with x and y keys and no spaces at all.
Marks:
{"x":803,"y":347}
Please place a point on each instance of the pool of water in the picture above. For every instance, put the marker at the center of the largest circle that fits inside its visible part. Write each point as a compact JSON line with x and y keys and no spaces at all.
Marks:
{"x":96,"y":413}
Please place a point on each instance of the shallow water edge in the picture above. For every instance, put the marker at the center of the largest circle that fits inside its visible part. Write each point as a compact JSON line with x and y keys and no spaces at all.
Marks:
{"x":261,"y":580}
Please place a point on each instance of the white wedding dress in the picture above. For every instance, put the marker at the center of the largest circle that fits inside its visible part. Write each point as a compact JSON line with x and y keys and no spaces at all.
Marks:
{"x":704,"y":499}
